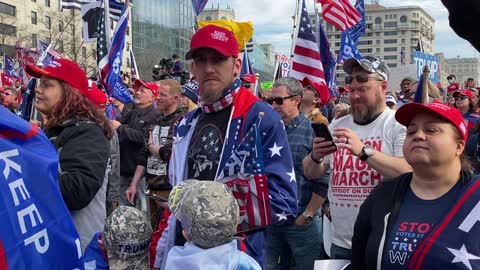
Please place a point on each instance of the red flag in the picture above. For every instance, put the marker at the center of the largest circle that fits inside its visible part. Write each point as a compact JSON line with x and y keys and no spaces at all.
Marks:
{"x":340,"y":13}
{"x":7,"y":80}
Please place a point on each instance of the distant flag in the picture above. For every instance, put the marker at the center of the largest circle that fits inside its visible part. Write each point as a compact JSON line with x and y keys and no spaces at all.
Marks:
{"x":306,"y":54}
{"x":110,"y":74}
{"x":102,"y":48}
{"x":25,"y":56}
{"x":249,"y":46}
{"x":402,"y":58}
{"x":199,"y":5}
{"x":419,"y":91}
{"x":133,"y":67}
{"x":277,"y":70}
{"x":340,"y":13}
{"x":28,"y":97}
{"x":247,"y":67}
{"x":7,"y":80}
{"x":46,"y":53}
{"x":9,"y":66}
{"x":74,"y":4}
{"x":419,"y":47}
{"x":116,"y":8}
{"x":37,"y":230}
{"x":328,"y":60}
{"x":348,"y":47}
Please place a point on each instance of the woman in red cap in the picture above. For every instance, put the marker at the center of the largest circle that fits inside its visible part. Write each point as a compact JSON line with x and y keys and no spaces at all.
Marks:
{"x":425,"y":219}
{"x":80,"y":133}
{"x":464,"y":101}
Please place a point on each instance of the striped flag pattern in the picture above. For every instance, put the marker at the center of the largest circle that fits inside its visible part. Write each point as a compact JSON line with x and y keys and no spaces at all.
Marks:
{"x":249,"y":46}
{"x":75,"y":4}
{"x":134,"y":75}
{"x":115,"y":6}
{"x":306,"y":55}
{"x":340,"y":13}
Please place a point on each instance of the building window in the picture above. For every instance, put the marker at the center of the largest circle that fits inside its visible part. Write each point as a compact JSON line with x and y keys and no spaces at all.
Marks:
{"x":47,"y":3}
{"x":378,"y":42}
{"x":60,"y":46}
{"x":48,"y":22}
{"x":208,"y":18}
{"x":389,"y":41}
{"x":403,"y":49}
{"x":337,"y":36}
{"x":378,"y":34}
{"x":365,"y":42}
{"x":390,"y":49}
{"x":403,"y":32}
{"x":386,"y":16}
{"x":84,"y":52}
{"x":392,"y":65}
{"x":128,"y":30}
{"x":337,"y":44}
{"x":377,"y":50}
{"x":34,"y":18}
{"x":378,"y":20}
{"x":8,"y":30}
{"x":223,"y":18}
{"x":403,"y":19}
{"x":35,"y":2}
{"x":390,"y":33}
{"x":368,"y":50}
{"x":369,"y":34}
{"x":48,"y":40}
{"x":34,"y":40}
{"x":403,"y":40}
{"x":7,"y":9}
{"x":60,"y":26}
{"x":390,"y":24}
{"x":390,"y":57}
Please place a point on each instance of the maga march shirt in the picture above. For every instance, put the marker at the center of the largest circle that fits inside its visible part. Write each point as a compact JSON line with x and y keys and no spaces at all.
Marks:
{"x":351,"y":179}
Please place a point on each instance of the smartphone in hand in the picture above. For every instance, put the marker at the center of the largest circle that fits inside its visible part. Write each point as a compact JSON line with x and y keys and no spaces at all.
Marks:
{"x":321,"y":130}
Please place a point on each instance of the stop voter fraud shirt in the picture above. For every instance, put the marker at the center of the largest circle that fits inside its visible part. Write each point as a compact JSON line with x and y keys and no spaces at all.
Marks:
{"x":352,"y":180}
{"x":415,"y":220}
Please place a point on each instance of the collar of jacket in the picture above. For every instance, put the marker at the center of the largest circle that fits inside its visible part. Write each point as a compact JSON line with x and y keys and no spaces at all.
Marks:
{"x":296,"y":121}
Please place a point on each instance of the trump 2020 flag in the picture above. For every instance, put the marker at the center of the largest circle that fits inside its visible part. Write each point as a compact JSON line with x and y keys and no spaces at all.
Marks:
{"x":114,"y":84}
{"x":37,"y":231}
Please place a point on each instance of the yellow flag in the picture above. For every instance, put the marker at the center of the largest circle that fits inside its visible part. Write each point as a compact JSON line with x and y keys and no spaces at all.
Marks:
{"x":243,"y":31}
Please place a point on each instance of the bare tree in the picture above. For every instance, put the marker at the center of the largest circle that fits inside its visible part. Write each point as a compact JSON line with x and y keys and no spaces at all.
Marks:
{"x":10,"y":34}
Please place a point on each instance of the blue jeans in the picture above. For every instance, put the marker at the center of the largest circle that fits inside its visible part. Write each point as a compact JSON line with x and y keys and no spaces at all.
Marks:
{"x":299,"y":242}
{"x":340,"y":253}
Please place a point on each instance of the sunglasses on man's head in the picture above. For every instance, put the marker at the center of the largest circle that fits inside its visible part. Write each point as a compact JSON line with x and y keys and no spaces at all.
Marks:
{"x":278,"y":100}
{"x":361,"y":78}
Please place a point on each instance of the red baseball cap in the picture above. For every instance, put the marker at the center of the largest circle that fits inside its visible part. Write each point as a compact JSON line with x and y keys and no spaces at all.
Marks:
{"x":96,"y":96}
{"x":249,"y":78}
{"x":214,"y":37}
{"x":407,"y":112}
{"x":452,"y":87}
{"x":150,"y":85}
{"x":343,"y":89}
{"x":62,"y":69}
{"x":466,"y":93}
{"x":321,"y":88}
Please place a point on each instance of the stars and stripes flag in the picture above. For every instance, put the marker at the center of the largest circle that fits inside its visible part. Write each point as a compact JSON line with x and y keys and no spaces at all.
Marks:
{"x":116,"y":6}
{"x":102,"y":48}
{"x":134,"y":75}
{"x":247,"y":67}
{"x":249,"y":46}
{"x":46,"y":53}
{"x":348,"y":47}
{"x":199,"y":5}
{"x":306,"y":55}
{"x":74,"y":4}
{"x":244,"y":174}
{"x":340,"y":13}
{"x":25,"y":56}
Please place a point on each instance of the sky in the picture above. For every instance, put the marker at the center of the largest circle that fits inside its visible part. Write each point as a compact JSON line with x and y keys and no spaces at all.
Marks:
{"x":273,"y":22}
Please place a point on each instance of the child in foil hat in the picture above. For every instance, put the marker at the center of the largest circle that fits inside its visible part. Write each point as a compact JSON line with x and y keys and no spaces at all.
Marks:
{"x":209,"y":215}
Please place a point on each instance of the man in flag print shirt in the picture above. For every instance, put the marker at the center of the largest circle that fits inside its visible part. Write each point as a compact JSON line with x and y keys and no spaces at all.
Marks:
{"x":233,"y":138}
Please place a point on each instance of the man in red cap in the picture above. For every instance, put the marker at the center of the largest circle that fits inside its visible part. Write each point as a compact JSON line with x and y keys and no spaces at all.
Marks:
{"x":131,"y":128}
{"x":312,"y":101}
{"x":209,"y":142}
{"x":248,"y":81}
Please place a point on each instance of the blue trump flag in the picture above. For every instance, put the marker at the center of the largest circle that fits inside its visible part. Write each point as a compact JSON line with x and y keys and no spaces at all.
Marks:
{"x":328,"y":60}
{"x":9,"y":66}
{"x":348,"y":47}
{"x":247,"y":67}
{"x":27,"y":100}
{"x":114,"y":84}
{"x":37,"y":231}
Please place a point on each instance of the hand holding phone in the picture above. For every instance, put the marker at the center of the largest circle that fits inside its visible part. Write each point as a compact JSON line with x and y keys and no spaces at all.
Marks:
{"x":323,"y":144}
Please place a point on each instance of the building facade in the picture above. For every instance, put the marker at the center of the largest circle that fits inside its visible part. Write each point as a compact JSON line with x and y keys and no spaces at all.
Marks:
{"x":26,"y":21}
{"x":464,"y":68}
{"x":160,"y":29}
{"x":392,"y":33}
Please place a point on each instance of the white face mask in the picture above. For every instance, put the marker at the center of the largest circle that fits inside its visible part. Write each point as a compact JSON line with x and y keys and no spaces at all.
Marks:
{"x":451,"y":81}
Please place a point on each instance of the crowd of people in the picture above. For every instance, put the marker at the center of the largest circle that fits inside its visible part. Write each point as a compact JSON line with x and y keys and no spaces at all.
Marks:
{"x":209,"y":175}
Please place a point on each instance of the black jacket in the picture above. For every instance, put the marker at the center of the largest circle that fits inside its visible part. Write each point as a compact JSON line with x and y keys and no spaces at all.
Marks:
{"x":83,"y":156}
{"x":159,"y":182}
{"x":131,"y":135}
{"x":377,"y":215}
{"x":463,"y":16}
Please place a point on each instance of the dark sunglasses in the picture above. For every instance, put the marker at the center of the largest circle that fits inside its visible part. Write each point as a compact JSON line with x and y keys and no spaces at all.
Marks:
{"x":6,"y":94}
{"x":246,"y":85}
{"x":460,"y":98}
{"x":278,"y":100}
{"x":361,"y":78}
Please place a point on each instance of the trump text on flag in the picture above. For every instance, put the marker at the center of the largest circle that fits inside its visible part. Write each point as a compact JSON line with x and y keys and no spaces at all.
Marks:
{"x":421,"y":60}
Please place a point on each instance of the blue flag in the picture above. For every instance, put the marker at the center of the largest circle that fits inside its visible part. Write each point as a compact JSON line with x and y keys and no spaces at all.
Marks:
{"x":419,"y":92}
{"x":328,"y":60}
{"x":199,"y":5}
{"x":247,"y":67}
{"x":9,"y":66}
{"x":27,"y":100}
{"x":94,"y":257}
{"x":37,"y":231}
{"x":114,"y":84}
{"x":348,"y":47}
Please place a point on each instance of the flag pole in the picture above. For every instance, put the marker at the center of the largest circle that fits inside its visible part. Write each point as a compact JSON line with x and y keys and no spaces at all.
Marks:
{"x":425,"y":75}
{"x":108,"y":26}
{"x":296,"y":20}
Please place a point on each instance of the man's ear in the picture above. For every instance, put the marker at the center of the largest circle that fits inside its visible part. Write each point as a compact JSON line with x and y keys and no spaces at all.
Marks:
{"x":187,"y":237}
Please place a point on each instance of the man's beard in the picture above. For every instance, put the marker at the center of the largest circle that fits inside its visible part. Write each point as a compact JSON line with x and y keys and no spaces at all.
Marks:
{"x":366,"y":113}
{"x":210,"y":96}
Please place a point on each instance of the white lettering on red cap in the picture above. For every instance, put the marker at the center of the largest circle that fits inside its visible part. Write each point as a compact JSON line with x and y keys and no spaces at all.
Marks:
{"x":54,"y":64}
{"x":219,"y":36}
{"x":463,"y":128}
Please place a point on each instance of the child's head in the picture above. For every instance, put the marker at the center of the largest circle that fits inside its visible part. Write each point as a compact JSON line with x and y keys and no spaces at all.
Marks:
{"x":207,"y":210}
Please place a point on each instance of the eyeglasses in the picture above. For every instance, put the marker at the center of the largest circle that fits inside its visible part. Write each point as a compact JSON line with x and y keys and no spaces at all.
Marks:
{"x":246,"y":85}
{"x":6,"y":94}
{"x":361,"y":78}
{"x":460,"y":98}
{"x":278,"y":100}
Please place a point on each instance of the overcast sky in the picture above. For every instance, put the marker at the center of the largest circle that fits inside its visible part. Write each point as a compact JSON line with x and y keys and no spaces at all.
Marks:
{"x":273,"y":22}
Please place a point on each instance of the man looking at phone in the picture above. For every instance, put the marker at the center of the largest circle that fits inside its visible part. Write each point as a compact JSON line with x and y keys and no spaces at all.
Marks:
{"x":300,"y":239}
{"x":368,"y":148}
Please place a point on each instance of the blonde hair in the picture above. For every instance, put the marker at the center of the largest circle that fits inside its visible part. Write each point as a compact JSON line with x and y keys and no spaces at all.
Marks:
{"x":175,"y":87}
{"x":340,"y":107}
{"x":191,"y":106}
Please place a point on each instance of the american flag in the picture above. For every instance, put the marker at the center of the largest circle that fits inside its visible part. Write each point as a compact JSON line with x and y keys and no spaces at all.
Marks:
{"x":46,"y":53}
{"x":114,"y":5}
{"x":134,"y":75}
{"x":74,"y":4}
{"x":102,"y":48}
{"x":340,"y":13}
{"x":247,"y":67}
{"x":306,"y":55}
{"x":199,"y":5}
{"x":244,"y":174}
{"x":116,"y":8}
{"x":249,"y":46}
{"x":25,"y":56}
